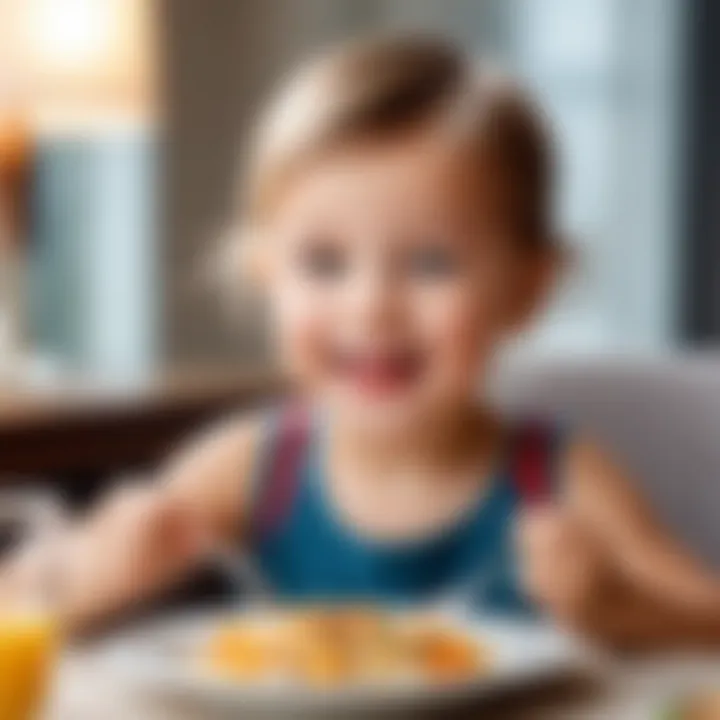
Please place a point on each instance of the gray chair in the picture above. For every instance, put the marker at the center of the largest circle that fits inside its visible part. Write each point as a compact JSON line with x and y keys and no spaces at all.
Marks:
{"x":660,"y":418}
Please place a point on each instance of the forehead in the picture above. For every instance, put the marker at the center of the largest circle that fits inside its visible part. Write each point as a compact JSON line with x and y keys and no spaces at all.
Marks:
{"x":425,"y":170}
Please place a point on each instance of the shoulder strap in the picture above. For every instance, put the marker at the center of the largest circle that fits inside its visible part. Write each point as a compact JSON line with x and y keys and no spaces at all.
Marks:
{"x":534,"y":462}
{"x":282,"y":468}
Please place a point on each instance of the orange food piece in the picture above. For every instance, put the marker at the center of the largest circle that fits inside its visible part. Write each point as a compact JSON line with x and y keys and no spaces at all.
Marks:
{"x":241,"y":653}
{"x":446,"y":656}
{"x":323,"y":665}
{"x":328,"y":647}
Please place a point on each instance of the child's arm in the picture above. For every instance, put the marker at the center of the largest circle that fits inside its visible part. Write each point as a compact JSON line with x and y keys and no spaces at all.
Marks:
{"x":603,"y":563}
{"x":144,"y":538}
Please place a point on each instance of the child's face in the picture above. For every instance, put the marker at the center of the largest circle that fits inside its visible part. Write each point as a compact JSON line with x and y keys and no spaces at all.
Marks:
{"x":392,"y":282}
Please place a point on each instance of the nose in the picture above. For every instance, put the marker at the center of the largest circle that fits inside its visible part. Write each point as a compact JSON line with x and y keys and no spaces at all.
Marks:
{"x":373,"y":299}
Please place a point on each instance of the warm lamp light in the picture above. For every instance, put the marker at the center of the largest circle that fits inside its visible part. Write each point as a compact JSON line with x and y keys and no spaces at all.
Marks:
{"x":71,"y":35}
{"x":80,"y":104}
{"x":87,"y":59}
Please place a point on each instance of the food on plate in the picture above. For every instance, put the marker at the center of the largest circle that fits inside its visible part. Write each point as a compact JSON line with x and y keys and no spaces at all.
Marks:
{"x":338,"y":646}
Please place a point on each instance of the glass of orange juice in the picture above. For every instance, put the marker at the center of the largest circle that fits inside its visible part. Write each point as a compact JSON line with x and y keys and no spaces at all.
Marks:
{"x":29,"y":597}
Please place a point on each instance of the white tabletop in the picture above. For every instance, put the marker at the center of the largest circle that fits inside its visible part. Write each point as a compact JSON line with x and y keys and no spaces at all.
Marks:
{"x":629,"y":689}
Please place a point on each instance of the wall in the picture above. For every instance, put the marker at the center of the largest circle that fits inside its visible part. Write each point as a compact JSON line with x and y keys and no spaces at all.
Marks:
{"x":611,"y":88}
{"x":221,"y":58}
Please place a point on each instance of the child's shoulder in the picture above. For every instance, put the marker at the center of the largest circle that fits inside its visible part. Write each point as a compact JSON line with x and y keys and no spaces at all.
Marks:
{"x":583,"y":475}
{"x":582,"y":466}
{"x":226,"y":444}
{"x":214,"y":469}
{"x":591,"y":478}
{"x":591,"y":471}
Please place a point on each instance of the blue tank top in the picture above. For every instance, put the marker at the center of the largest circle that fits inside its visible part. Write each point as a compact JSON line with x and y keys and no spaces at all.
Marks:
{"x":303,"y":551}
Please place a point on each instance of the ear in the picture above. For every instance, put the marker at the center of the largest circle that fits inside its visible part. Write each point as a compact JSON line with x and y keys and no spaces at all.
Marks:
{"x":244,"y":259}
{"x":255,"y":261}
{"x":537,"y":275}
{"x":238,"y":269}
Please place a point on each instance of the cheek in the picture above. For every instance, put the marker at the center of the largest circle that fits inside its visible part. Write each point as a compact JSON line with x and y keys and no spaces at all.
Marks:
{"x":461,"y":326}
{"x":301,"y":323}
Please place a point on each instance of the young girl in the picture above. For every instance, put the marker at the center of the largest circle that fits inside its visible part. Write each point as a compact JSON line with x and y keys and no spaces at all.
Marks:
{"x":398,"y":215}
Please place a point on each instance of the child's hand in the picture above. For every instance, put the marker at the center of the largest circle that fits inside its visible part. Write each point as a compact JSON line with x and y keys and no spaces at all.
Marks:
{"x":562,"y":568}
{"x":136,"y":543}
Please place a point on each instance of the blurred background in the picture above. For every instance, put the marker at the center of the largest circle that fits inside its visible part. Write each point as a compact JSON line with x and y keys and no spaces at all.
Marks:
{"x":123,"y":120}
{"x":121,"y":124}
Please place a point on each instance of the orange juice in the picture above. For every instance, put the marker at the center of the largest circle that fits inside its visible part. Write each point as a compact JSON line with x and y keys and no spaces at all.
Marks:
{"x":28,"y":648}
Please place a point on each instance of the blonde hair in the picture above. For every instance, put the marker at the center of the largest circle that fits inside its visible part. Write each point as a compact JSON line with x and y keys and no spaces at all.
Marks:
{"x":375,"y":89}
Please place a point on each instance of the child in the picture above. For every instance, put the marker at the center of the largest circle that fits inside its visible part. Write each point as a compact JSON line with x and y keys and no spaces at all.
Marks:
{"x":398,"y":214}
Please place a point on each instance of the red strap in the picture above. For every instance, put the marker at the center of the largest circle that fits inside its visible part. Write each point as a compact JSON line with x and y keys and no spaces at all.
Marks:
{"x":283,"y":468}
{"x":534,"y":466}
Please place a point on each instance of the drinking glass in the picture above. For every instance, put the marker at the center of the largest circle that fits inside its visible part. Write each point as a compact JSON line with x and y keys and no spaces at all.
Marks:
{"x":29,"y":601}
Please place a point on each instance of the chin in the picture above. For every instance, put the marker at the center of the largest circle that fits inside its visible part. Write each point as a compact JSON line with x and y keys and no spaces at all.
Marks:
{"x":382,"y":415}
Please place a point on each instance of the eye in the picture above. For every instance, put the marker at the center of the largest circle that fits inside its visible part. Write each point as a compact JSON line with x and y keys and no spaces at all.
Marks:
{"x":322,"y":261}
{"x":432,"y":262}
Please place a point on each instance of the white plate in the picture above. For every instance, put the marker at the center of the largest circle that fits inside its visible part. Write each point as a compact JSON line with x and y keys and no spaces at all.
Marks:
{"x":158,"y":659}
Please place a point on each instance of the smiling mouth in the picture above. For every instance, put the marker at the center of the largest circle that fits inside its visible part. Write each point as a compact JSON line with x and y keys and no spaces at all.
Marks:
{"x":379,"y":373}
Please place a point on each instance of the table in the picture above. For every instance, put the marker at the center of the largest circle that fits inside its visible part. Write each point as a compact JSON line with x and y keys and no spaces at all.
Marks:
{"x":75,"y":426}
{"x":628,"y":690}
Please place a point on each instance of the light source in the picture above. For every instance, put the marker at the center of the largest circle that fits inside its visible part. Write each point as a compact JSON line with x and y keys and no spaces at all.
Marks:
{"x":88,"y":59}
{"x":82,"y":73}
